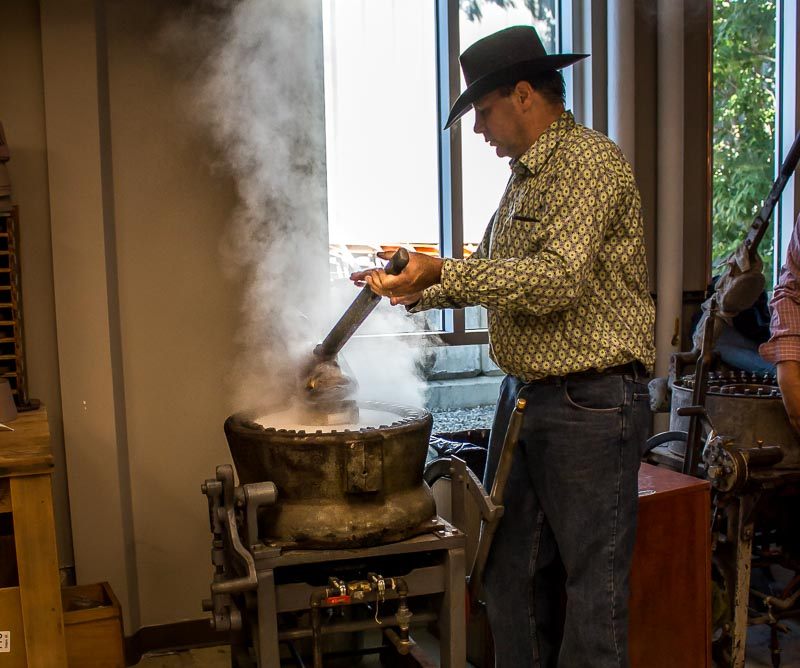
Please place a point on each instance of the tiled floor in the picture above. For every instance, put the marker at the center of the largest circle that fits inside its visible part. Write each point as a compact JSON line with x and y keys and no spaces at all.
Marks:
{"x":758,"y":655}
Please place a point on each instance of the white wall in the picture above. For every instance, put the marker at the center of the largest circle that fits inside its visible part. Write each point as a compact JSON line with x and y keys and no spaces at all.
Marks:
{"x":22,"y":115}
{"x":146,"y":313}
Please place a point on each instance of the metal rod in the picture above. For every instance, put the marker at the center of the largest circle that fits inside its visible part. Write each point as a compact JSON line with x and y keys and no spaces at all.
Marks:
{"x":694,"y":439}
{"x":759,"y":226}
{"x":357,"y":312}
{"x":295,"y":655}
{"x":496,"y":496}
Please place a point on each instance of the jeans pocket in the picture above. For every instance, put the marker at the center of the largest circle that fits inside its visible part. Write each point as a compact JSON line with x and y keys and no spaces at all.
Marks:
{"x":599,"y":394}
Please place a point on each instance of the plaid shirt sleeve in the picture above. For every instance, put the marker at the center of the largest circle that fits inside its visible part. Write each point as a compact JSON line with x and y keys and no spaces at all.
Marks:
{"x":434,"y":297}
{"x":784,"y":342}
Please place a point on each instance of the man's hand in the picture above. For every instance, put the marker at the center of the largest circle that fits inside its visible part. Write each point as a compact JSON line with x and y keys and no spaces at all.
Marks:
{"x":422,"y":271}
{"x":789,"y":382}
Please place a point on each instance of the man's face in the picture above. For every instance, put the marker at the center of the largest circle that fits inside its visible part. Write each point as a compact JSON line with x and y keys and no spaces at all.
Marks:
{"x":499,"y":119}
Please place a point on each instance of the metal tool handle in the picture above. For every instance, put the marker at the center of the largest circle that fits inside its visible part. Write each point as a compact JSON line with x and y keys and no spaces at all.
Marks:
{"x":759,"y":226}
{"x":397,"y":262}
{"x":498,"y":487}
{"x":694,"y":440}
{"x":358,"y":311}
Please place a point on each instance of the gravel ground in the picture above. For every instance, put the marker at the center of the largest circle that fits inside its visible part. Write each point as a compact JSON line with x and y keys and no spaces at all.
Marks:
{"x":461,"y":419}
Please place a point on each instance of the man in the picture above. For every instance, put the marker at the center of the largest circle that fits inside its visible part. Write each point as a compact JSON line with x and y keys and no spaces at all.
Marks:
{"x":561,"y":270}
{"x":783,"y":347}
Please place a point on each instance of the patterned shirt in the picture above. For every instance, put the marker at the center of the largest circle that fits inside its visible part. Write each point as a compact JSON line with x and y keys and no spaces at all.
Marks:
{"x":561,"y":268}
{"x":784,"y":325}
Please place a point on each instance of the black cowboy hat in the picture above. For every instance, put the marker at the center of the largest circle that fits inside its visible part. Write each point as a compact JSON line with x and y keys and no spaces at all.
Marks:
{"x":504,"y":57}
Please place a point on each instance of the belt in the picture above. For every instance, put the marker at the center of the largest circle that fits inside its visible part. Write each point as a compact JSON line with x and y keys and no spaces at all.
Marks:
{"x":634,"y":368}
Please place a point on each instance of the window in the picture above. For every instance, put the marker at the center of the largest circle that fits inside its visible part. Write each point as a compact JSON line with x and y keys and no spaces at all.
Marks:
{"x":744,"y":88}
{"x":788,"y":121}
{"x":394,"y":177}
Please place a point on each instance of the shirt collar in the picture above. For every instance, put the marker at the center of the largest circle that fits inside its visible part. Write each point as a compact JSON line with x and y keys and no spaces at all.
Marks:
{"x":536,"y":156}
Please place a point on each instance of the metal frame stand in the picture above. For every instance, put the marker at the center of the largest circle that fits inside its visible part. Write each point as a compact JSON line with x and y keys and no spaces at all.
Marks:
{"x":437,"y":569}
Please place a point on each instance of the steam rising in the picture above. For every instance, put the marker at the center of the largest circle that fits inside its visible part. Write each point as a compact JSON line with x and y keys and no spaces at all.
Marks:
{"x":258,"y":86}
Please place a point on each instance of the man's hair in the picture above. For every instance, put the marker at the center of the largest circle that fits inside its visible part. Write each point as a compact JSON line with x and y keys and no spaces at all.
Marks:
{"x":550,"y":84}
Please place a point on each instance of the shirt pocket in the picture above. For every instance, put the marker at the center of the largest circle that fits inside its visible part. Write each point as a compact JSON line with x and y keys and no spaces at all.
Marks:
{"x":524,"y":235}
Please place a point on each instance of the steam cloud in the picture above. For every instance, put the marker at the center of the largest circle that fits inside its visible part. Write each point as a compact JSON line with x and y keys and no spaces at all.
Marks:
{"x":260,"y":91}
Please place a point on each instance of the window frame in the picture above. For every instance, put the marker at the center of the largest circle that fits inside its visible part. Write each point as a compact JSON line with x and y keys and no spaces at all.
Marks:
{"x":573,"y":34}
{"x":787,"y":120}
{"x":448,"y":76}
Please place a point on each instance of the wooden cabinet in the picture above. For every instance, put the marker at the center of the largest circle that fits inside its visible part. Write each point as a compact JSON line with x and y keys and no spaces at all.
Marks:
{"x":670,"y":622}
{"x":30,"y":611}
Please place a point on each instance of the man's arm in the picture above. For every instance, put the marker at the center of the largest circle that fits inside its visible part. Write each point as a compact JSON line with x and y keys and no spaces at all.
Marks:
{"x":783,"y":347}
{"x":434,"y":296}
{"x":556,"y":275}
{"x":417,"y":286}
{"x":789,"y":382}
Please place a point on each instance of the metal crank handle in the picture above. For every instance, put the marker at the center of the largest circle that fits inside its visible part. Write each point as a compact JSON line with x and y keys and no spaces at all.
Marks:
{"x":358,"y":311}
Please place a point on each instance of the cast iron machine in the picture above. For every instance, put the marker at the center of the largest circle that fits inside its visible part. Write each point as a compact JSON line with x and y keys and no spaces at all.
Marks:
{"x":730,"y":427}
{"x":332,"y":531}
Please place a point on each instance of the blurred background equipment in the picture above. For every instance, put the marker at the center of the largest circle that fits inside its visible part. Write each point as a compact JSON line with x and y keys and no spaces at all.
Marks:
{"x":728,"y":425}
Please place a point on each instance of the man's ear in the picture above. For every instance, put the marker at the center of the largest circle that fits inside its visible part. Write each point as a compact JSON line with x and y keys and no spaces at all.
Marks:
{"x":524,"y":92}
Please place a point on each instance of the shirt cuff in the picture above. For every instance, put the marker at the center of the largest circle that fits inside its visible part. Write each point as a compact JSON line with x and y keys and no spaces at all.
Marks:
{"x":431,"y":298}
{"x":781,"y":349}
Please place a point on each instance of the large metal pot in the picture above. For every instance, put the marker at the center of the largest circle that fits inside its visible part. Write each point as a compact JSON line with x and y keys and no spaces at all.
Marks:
{"x":345,"y":488}
{"x":746,"y":408}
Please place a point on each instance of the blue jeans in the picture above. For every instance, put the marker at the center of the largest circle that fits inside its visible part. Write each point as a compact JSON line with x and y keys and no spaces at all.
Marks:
{"x":556,"y":582}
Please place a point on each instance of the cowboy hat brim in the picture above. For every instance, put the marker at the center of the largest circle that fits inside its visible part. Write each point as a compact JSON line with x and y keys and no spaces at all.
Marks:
{"x":511,"y":74}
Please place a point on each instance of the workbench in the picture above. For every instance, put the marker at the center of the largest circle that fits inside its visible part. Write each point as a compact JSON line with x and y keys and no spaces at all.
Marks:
{"x":31,"y":618}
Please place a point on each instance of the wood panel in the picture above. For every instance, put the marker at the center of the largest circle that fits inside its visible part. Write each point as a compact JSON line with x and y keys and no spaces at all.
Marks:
{"x":5,"y":496}
{"x":37,"y":565}
{"x":670,"y":611}
{"x":11,"y":622}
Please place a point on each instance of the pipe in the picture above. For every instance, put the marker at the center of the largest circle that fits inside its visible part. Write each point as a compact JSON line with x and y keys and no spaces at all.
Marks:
{"x":420,"y":619}
{"x":776,"y":601}
{"x":621,"y":76}
{"x":669,"y":222}
{"x":317,"y":597}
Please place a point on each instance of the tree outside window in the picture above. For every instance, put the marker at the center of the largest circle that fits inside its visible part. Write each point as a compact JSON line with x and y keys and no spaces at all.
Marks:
{"x":743,"y":123}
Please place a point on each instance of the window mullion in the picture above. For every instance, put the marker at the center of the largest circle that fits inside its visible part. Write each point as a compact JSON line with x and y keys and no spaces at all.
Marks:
{"x":787,"y":120}
{"x":451,"y":220}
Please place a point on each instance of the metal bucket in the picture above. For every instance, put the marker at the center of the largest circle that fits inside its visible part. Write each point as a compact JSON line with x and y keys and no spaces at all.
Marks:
{"x":338,"y":488}
{"x":737,"y":410}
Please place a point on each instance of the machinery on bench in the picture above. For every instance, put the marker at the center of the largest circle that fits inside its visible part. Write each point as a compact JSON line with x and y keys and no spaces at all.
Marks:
{"x":730,"y":427}
{"x":332,"y":531}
